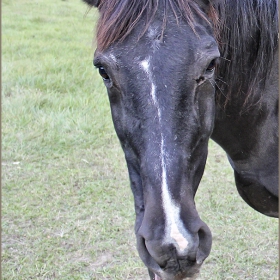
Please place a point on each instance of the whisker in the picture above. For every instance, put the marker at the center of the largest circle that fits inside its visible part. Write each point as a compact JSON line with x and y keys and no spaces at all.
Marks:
{"x":225,"y":59}
{"x":220,"y":90}
{"x":222,"y":81}
{"x":212,"y":84}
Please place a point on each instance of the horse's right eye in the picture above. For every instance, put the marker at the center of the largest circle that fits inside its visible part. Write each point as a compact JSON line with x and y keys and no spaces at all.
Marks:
{"x":103,"y":73}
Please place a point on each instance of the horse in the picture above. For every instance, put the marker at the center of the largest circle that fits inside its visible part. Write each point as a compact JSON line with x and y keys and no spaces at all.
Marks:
{"x":177,"y":73}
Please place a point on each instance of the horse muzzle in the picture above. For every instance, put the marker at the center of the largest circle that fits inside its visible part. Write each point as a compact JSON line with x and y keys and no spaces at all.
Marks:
{"x":164,"y":258}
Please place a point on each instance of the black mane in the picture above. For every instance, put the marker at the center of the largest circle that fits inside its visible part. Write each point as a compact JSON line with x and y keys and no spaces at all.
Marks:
{"x":246,"y":30}
{"x":248,"y":39}
{"x":119,"y":17}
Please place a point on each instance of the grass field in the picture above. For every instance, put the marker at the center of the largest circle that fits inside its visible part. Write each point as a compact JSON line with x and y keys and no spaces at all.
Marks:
{"x":67,"y":210}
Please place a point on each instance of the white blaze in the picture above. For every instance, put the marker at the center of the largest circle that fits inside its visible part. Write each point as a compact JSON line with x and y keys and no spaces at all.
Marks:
{"x":113,"y":58}
{"x":171,"y":210}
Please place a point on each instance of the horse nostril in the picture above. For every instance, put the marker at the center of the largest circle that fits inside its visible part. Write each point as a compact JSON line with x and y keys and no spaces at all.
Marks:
{"x":145,"y":254}
{"x":205,"y":243}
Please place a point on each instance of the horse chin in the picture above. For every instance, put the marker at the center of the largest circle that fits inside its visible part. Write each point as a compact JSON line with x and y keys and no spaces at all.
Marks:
{"x":178,"y":277}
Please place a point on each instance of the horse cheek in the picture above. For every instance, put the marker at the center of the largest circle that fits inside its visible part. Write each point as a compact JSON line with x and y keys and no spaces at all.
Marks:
{"x":206,"y":110}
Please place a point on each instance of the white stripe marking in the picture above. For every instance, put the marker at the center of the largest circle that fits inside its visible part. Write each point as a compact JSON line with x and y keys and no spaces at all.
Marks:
{"x":171,"y":210}
{"x":113,"y":58}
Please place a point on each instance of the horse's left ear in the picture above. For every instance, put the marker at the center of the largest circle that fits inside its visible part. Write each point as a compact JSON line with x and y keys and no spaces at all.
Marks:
{"x":94,"y":3}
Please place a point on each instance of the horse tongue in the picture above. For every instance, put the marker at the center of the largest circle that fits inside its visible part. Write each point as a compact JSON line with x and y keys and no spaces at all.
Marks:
{"x":157,"y":277}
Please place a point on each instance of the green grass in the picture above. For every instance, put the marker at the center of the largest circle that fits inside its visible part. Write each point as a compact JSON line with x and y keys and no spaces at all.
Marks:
{"x":67,"y":210}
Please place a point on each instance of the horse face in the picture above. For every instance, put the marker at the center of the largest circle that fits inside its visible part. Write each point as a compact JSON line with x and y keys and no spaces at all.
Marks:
{"x":161,"y":91}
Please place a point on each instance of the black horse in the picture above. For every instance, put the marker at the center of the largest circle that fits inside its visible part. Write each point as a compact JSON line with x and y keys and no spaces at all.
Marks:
{"x":178,"y":72}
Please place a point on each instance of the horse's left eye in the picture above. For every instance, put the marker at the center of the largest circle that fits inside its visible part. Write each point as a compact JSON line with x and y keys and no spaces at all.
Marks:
{"x":211,"y":66}
{"x":103,"y":73}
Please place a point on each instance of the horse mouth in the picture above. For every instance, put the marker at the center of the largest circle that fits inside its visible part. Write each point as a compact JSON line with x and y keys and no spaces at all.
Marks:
{"x":176,"y":268}
{"x":190,"y":275}
{"x":177,"y":278}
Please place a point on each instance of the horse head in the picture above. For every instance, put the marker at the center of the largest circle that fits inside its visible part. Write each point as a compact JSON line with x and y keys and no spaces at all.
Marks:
{"x":159,"y":72}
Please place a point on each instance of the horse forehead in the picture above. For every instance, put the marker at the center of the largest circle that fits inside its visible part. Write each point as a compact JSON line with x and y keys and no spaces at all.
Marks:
{"x":153,"y":31}
{"x":176,"y":44}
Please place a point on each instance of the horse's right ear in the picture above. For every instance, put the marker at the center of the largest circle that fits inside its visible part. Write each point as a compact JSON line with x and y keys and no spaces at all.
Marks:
{"x":93,"y":3}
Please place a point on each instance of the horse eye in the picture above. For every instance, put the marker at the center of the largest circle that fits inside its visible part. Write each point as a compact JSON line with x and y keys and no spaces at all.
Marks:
{"x":103,"y":73}
{"x":211,"y":66}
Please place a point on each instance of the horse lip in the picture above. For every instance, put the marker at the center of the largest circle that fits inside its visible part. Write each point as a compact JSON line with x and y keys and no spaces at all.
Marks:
{"x":189,"y":268}
{"x":190,"y":274}
{"x":175,"y":277}
{"x":192,"y":269}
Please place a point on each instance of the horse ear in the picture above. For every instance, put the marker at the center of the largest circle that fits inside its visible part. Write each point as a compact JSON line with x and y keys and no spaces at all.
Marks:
{"x":93,"y":3}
